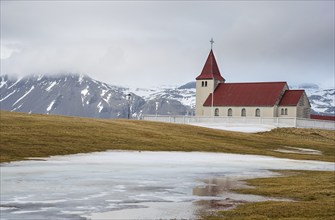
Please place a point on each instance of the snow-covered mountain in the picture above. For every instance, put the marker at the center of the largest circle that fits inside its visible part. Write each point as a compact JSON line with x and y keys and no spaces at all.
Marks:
{"x":167,"y":100}
{"x":70,"y":94}
{"x":80,"y":95}
{"x":322,"y":100}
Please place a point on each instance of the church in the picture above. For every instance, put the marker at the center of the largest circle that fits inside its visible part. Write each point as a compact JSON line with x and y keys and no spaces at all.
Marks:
{"x":215,"y":97}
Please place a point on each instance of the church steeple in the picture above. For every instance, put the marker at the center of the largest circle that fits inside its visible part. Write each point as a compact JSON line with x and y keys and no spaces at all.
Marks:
{"x":209,"y":78}
{"x":211,"y":69}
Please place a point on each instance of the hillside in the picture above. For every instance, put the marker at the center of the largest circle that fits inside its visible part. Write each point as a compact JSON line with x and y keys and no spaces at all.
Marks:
{"x":68,"y":94}
{"x":80,"y":95}
{"x":28,"y":135}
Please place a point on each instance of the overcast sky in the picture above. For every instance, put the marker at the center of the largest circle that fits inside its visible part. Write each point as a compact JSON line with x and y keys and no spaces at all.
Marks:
{"x":144,"y":44}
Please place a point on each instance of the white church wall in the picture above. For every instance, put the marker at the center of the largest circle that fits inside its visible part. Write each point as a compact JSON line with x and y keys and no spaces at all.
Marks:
{"x":227,"y":121}
{"x":203,"y":89}
{"x":303,"y":108}
{"x":287,"y":111}
{"x":236,"y":111}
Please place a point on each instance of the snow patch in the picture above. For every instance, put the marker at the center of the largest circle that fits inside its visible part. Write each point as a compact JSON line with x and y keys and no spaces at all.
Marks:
{"x":107,"y":98}
{"x":15,"y":83}
{"x":84,"y":92}
{"x":39,"y":77}
{"x":24,"y":95}
{"x":145,"y":93}
{"x":185,"y":96}
{"x":103,"y":92}
{"x":51,"y":85}
{"x":236,"y":127}
{"x":298,"y":150}
{"x":100,"y":106}
{"x":81,"y":78}
{"x":51,"y":105}
{"x":2,"y":83}
{"x":17,"y":108}
{"x":8,"y":95}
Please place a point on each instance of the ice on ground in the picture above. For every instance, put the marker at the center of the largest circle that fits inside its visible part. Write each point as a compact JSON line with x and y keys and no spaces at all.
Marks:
{"x":246,"y":128}
{"x":132,"y":184}
{"x":298,"y":150}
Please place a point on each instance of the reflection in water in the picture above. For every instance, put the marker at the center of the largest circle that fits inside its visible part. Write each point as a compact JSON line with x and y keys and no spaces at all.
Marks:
{"x":133,"y":185}
{"x":220,"y":188}
{"x":217,"y":195}
{"x":215,"y":186}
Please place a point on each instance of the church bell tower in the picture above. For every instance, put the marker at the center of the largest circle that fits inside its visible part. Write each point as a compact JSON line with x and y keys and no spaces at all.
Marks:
{"x":207,"y":81}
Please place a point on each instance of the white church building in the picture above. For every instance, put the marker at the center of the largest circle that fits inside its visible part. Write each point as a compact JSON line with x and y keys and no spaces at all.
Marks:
{"x":215,"y":97}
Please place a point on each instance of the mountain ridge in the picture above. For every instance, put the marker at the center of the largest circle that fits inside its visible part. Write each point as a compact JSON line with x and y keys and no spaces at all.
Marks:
{"x":80,"y":95}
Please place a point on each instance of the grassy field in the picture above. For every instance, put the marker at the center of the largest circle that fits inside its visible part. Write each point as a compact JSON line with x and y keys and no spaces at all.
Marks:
{"x":313,"y":193}
{"x":24,"y":135}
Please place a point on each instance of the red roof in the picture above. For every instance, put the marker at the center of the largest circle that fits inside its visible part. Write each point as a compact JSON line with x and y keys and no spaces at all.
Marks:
{"x":323,"y":117}
{"x":291,"y":97}
{"x":211,"y":69}
{"x":246,"y":94}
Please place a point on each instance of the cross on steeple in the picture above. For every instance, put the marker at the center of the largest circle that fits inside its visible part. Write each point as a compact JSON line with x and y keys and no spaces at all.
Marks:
{"x":212,"y":42}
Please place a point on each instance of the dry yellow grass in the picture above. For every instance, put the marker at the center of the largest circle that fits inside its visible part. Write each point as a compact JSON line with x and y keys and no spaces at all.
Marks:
{"x":24,"y":135}
{"x":313,"y":193}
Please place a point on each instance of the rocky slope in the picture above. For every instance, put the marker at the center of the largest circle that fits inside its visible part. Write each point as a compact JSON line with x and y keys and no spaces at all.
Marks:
{"x":80,"y":95}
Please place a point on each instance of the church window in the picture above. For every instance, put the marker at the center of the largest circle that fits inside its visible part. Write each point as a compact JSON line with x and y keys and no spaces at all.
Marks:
{"x":282,"y":111}
{"x":216,"y":112}
{"x":243,"y":112}
{"x":258,"y":112}
{"x":285,"y":111}
{"x":202,"y":84}
{"x":205,"y":83}
{"x":230,"y":112}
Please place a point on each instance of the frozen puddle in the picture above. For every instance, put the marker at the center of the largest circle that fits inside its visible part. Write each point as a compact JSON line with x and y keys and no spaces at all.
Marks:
{"x":133,"y":185}
{"x":297,"y":150}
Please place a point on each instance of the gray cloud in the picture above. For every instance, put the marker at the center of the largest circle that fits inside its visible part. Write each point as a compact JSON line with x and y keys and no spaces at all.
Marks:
{"x":154,"y":43}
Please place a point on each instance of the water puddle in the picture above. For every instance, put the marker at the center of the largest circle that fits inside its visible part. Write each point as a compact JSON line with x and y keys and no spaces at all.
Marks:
{"x":134,"y":185}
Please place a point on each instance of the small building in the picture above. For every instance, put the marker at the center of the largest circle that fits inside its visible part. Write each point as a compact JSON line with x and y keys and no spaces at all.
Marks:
{"x":254,"y":99}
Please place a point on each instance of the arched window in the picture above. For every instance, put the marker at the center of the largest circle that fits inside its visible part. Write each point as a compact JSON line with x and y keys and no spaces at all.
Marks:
{"x":258,"y":112}
{"x":202,"y":84}
{"x":285,"y":111}
{"x":205,"y":83}
{"x":282,"y":111}
{"x":230,"y":112}
{"x":216,"y":112}
{"x":243,"y":112}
